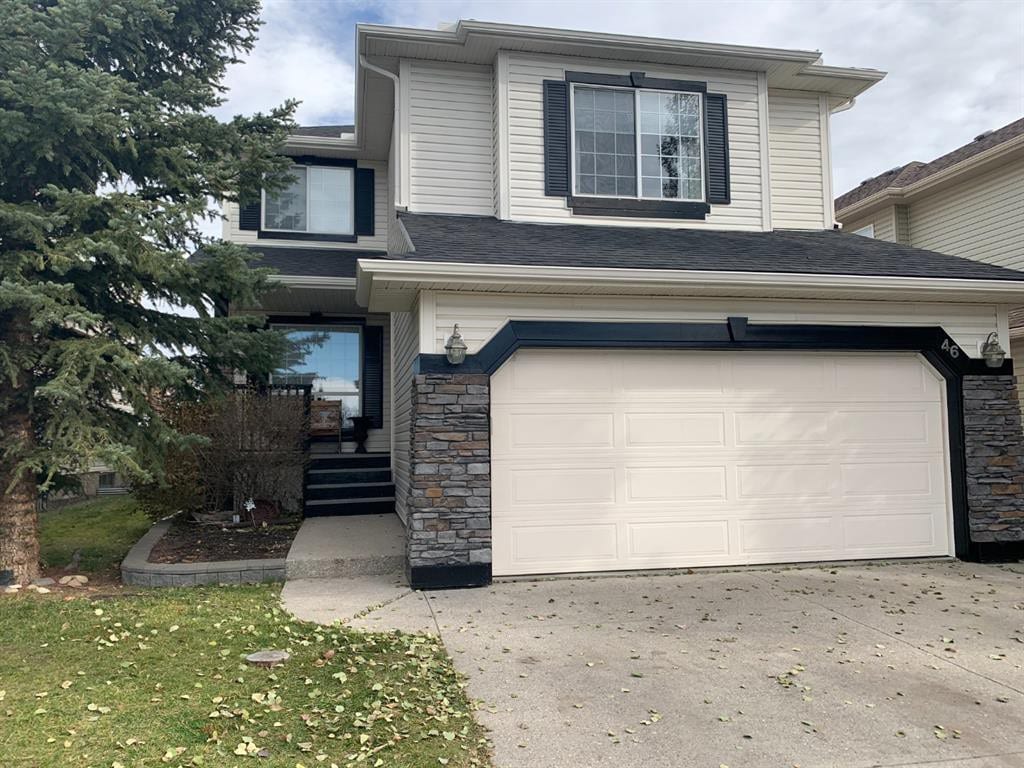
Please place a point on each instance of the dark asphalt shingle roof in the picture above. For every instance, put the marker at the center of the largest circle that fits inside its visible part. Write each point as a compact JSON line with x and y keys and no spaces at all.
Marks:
{"x":485,"y":240}
{"x":912,"y":172}
{"x":330,"y":131}
{"x":316,"y":262}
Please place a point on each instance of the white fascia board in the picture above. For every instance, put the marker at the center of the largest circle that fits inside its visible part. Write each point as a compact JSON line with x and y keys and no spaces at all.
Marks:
{"x":314,"y":281}
{"x":464,"y":28}
{"x":374,"y":275}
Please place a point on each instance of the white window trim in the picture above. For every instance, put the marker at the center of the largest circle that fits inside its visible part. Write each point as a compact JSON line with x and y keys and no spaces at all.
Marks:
{"x":636,"y":134}
{"x":307,"y":231}
{"x":867,"y":231}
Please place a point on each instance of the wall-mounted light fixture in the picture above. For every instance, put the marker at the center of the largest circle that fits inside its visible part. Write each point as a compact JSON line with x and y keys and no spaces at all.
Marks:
{"x":992,"y":351}
{"x":455,"y":347}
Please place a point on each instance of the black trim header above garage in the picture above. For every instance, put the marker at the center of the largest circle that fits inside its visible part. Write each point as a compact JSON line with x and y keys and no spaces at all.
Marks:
{"x":547,"y":334}
{"x":737,"y":334}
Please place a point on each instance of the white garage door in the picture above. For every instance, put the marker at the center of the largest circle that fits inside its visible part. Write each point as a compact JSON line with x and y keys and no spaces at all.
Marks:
{"x":611,"y":460}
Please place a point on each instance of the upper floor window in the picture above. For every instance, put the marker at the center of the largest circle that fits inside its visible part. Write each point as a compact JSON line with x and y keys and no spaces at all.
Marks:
{"x":868,"y":231}
{"x":319,"y":200}
{"x":613,"y":127}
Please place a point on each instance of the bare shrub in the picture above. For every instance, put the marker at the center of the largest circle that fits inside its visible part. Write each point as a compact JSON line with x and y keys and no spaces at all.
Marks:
{"x":252,"y":444}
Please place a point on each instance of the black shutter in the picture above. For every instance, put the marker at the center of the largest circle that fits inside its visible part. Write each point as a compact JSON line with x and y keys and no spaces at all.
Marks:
{"x":717,"y":147}
{"x":556,"y":138}
{"x":364,"y":201}
{"x":373,"y":375}
{"x":249,"y":216}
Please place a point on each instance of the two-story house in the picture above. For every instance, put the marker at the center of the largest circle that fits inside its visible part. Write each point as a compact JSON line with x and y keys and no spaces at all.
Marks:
{"x":665,"y":355}
{"x":969,"y":202}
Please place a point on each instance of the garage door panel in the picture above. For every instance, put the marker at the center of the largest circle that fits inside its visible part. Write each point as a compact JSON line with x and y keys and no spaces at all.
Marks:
{"x":892,"y":478}
{"x":583,"y":545}
{"x":781,"y":428}
{"x":876,"y":532}
{"x":866,"y":379}
{"x":667,"y":539}
{"x":918,"y":428}
{"x":675,"y":483}
{"x":782,"y":375}
{"x":788,"y":536}
{"x":560,"y":486}
{"x":686,"y":475}
{"x":785,"y":481}
{"x":560,"y":430}
{"x":674,"y":429}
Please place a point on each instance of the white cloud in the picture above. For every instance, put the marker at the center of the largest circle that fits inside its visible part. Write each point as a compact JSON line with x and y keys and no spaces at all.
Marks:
{"x":296,"y":56}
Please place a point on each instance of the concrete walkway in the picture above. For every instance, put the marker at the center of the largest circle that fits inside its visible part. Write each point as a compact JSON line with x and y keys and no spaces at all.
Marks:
{"x":356,"y":545}
{"x":908,"y":664}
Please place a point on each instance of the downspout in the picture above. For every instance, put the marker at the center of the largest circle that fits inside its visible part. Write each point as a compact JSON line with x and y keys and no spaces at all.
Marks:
{"x":399,"y":192}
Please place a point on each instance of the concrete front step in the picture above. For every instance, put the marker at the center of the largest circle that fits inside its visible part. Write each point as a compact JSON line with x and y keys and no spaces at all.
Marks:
{"x":332,"y":547}
{"x":345,"y":507}
{"x":341,"y":491}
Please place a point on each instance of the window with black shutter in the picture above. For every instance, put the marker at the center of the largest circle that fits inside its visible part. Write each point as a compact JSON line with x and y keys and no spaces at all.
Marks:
{"x":327,"y":199}
{"x":632,"y":145}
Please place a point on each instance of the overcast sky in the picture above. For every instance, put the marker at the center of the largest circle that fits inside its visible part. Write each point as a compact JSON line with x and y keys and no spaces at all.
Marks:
{"x":956,"y":69}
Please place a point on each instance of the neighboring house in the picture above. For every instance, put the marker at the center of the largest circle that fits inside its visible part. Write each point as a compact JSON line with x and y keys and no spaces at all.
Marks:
{"x":673,"y":360}
{"x":969,"y":202}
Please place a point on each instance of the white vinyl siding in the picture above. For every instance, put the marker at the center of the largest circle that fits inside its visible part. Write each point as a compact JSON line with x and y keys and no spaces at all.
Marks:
{"x":799,"y":160}
{"x":882,"y":222}
{"x":481,"y":315}
{"x":375,"y":242}
{"x":449,"y":126}
{"x":527,"y":201}
{"x":981,"y":218}
{"x":405,"y":330}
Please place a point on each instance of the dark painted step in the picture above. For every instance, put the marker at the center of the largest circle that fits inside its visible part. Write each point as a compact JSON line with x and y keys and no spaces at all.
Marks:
{"x":350,"y":461}
{"x":342,"y":476}
{"x":352,"y":491}
{"x":318,"y":508}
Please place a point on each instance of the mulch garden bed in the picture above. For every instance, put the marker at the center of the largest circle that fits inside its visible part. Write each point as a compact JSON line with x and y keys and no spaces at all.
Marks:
{"x":189,"y":542}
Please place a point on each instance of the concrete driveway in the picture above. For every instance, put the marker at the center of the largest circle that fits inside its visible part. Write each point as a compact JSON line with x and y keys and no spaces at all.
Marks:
{"x":900,"y":664}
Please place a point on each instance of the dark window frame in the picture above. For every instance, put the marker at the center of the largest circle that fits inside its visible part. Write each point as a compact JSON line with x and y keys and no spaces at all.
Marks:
{"x":312,"y":161}
{"x":596,"y":205}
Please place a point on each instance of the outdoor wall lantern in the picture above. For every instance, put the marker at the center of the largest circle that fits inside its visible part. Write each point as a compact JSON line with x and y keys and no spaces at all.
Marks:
{"x":993,"y":353}
{"x":455,"y":347}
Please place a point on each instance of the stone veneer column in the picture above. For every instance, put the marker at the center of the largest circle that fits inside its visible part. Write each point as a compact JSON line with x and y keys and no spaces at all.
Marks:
{"x":449,"y":504}
{"x":994,"y":450}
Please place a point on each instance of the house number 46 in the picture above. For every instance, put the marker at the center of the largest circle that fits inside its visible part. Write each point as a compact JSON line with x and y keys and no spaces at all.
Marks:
{"x":951,"y":349}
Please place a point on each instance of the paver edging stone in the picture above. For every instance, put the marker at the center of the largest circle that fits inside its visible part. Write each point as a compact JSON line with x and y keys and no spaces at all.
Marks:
{"x":136,"y":569}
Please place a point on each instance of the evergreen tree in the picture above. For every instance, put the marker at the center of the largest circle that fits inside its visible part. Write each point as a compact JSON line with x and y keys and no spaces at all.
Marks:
{"x":109,"y":159}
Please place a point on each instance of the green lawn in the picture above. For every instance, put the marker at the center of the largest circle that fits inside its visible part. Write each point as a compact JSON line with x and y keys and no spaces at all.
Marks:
{"x":104,"y":529}
{"x":159,"y":679}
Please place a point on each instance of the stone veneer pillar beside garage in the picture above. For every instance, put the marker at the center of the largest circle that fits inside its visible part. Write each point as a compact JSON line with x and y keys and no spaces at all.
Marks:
{"x":994,"y":452}
{"x":449,"y":504}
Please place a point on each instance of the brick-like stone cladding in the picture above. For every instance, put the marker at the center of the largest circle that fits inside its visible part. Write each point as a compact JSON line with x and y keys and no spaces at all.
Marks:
{"x":449,"y":505}
{"x":994,"y":448}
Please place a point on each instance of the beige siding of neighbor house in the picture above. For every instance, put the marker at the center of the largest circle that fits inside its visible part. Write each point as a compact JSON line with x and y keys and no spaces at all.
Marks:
{"x":448,"y":134}
{"x":481,"y":315}
{"x":375,"y":242}
{"x":883,"y":223}
{"x":524,"y":186}
{"x":981,"y":218}
{"x":405,"y":331}
{"x":799,"y":152}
